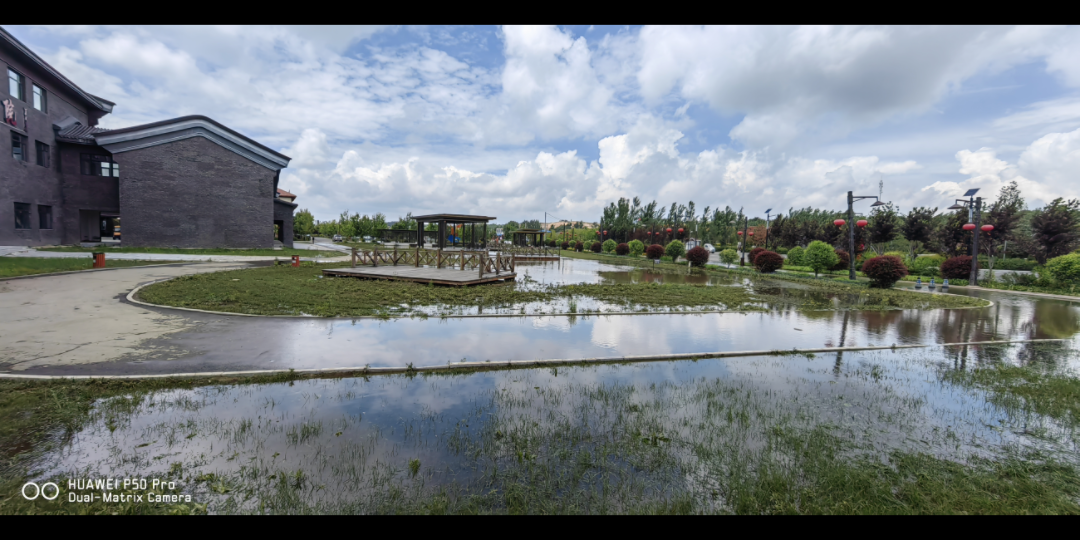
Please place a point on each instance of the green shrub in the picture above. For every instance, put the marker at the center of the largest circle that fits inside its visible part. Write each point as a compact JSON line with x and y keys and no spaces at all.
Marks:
{"x":1064,"y":270}
{"x":675,"y":249}
{"x":884,"y":271}
{"x":925,"y":266}
{"x":898,"y":254}
{"x":820,"y":256}
{"x":729,"y":256}
{"x":637,"y":247}
{"x":795,"y":256}
{"x":609,"y":246}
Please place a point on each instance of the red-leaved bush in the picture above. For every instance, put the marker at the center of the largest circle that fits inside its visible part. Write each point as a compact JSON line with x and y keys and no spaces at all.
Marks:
{"x":884,"y":271}
{"x":768,"y":261}
{"x":622,"y":249}
{"x":957,"y":267}
{"x":698,"y":256}
{"x":565,"y":245}
{"x":754,"y":253}
{"x":844,"y":262}
{"x":654,"y":252}
{"x":596,"y":247}
{"x":580,"y":246}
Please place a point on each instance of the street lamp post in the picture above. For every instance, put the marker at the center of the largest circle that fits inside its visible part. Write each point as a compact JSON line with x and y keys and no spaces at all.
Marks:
{"x":746,"y":225}
{"x":974,"y":206}
{"x":767,"y":228}
{"x":851,"y":227}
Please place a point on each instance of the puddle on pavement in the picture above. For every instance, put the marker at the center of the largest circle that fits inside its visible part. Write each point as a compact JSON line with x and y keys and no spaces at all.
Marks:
{"x":352,"y":440}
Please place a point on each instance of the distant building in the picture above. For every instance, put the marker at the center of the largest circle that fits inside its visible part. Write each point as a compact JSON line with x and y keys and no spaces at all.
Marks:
{"x":285,"y":195}
{"x":186,"y":182}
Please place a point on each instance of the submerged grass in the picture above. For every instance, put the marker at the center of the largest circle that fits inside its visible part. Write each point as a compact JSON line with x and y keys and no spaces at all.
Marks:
{"x":541,"y":441}
{"x":1026,"y":388}
{"x":284,"y":290}
{"x":27,"y":266}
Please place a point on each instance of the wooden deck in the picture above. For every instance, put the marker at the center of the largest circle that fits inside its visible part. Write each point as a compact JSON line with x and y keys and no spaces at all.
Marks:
{"x":440,"y":276}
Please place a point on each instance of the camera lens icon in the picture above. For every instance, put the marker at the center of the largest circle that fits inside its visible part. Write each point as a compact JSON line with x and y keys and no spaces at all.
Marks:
{"x":41,"y":491}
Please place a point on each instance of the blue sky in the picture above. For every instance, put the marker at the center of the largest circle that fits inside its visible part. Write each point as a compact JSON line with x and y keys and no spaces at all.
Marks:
{"x":513,"y":121}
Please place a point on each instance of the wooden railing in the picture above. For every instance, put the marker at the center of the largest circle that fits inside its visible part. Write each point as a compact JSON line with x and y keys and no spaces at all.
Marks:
{"x":481,"y":261}
{"x":526,"y":251}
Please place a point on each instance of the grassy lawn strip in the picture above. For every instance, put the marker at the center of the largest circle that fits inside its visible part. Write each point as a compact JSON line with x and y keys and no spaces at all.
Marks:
{"x":1025,"y":388}
{"x":987,"y":284}
{"x":284,"y":290}
{"x":285,"y":252}
{"x":26,"y":266}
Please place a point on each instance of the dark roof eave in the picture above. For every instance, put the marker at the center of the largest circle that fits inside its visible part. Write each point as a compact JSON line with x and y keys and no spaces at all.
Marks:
{"x":100,"y":104}
{"x":286,"y":203}
{"x":122,"y":131}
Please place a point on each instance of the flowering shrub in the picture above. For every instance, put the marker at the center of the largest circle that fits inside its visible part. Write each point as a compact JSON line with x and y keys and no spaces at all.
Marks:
{"x":654,"y":252}
{"x":637,"y":247}
{"x":596,"y":247}
{"x":622,"y":249}
{"x":884,"y":271}
{"x":698,"y":256}
{"x":843,"y":260}
{"x":609,"y":246}
{"x":957,"y":268}
{"x":768,"y":262}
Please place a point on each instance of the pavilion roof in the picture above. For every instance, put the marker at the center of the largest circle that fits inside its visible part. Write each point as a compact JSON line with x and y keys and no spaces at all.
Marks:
{"x":455,"y":218}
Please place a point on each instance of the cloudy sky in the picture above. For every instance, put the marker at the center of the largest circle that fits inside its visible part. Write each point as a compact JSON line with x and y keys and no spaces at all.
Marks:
{"x":516,"y":121}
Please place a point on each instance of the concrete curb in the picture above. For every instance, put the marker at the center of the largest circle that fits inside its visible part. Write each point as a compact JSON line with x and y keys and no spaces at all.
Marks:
{"x":131,"y":298}
{"x":510,"y":364}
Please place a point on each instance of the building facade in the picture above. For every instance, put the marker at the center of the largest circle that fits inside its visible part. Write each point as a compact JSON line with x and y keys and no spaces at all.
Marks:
{"x":186,"y":182}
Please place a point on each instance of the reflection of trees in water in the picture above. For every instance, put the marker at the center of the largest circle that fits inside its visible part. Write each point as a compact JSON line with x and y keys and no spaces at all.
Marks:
{"x":1055,"y":319}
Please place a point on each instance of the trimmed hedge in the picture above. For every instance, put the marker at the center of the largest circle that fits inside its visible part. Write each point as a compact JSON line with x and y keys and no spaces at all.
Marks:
{"x":957,"y":268}
{"x":580,"y":246}
{"x":654,"y":252}
{"x":1065,"y":270}
{"x":596,"y":247}
{"x":565,"y":245}
{"x":698,"y":256}
{"x":768,"y":262}
{"x":675,"y":249}
{"x":609,"y":245}
{"x":754,"y":253}
{"x":884,"y":271}
{"x":795,"y":256}
{"x":622,"y":249}
{"x":637,"y":247}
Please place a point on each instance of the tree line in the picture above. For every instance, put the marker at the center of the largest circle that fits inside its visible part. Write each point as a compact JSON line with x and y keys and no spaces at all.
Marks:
{"x":1042,"y":234}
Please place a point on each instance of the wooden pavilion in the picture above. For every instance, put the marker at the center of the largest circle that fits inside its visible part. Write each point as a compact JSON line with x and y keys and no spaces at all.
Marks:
{"x":455,"y":230}
{"x":528,"y":237}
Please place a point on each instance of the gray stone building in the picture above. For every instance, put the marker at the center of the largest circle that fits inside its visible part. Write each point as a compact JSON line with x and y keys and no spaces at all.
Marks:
{"x":185,"y":182}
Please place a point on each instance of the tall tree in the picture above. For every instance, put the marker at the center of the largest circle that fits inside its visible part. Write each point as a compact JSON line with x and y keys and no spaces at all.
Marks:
{"x":303,"y":222}
{"x":918,"y":226}
{"x":1056,"y":228}
{"x":1005,"y":213}
{"x":884,"y":227}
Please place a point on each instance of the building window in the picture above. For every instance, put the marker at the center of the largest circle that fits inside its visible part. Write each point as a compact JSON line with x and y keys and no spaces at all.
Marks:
{"x":44,"y":214}
{"x":15,"y":85}
{"x":98,"y":165}
{"x":39,"y":99}
{"x":18,"y":146}
{"x":22,"y":215}
{"x":42,"y":153}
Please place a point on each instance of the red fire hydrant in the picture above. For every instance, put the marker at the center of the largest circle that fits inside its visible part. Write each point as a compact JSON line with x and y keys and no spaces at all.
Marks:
{"x":99,"y":259}
{"x":296,"y":261}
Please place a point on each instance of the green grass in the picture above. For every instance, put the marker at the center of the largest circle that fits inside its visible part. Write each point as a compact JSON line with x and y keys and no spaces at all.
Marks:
{"x":1026,"y":388}
{"x":284,"y":290}
{"x":285,"y":252}
{"x":1066,"y":291}
{"x":26,"y":266}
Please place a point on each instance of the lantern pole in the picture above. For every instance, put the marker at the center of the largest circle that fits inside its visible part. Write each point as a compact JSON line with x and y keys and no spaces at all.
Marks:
{"x":851,"y":198}
{"x":974,"y":279}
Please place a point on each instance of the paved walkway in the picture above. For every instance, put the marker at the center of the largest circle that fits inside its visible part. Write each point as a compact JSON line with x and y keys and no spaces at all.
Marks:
{"x":15,"y":251}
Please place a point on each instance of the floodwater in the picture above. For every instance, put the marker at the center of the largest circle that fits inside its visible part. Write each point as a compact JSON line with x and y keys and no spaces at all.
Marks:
{"x":347,"y":444}
{"x":226,"y":343}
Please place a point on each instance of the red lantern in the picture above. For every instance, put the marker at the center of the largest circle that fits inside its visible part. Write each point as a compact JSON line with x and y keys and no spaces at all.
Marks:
{"x":649,"y":233}
{"x":605,"y":232}
{"x":969,"y":226}
{"x":739,"y":233}
{"x":751,"y":233}
{"x":669,"y":229}
{"x":987,"y":228}
{"x":861,"y":223}
{"x":839,"y":223}
{"x":680,"y":230}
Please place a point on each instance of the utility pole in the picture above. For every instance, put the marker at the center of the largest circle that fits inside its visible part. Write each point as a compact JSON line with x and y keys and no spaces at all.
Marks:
{"x":974,"y":279}
{"x":851,"y":234}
